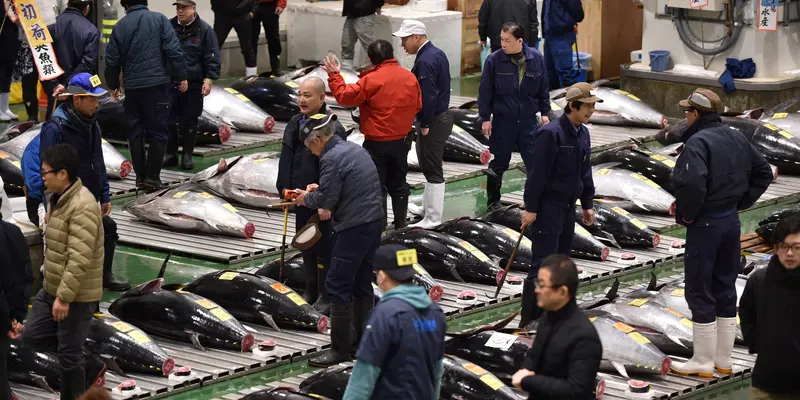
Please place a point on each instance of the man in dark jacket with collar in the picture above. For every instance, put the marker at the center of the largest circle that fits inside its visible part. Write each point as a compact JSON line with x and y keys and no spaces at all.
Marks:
{"x":76,"y":42}
{"x":236,"y":15}
{"x":493,"y":14}
{"x":75,"y":122}
{"x":565,"y":357}
{"x":718,"y":173}
{"x":513,"y":89}
{"x":770,"y":313}
{"x":350,"y":188}
{"x":434,"y":121}
{"x":559,"y":21}
{"x":297,"y":169}
{"x":201,"y":52}
{"x":560,"y":175}
{"x":141,"y":46}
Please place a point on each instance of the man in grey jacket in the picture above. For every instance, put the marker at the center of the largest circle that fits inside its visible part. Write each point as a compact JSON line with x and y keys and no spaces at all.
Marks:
{"x":141,"y":45}
{"x":350,"y":188}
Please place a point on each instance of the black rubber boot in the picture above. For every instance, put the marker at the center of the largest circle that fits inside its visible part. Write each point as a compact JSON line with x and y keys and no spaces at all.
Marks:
{"x":493,"y":185}
{"x":73,"y":383}
{"x":32,"y":109}
{"x":155,"y":157}
{"x":530,"y":310}
{"x":275,"y":63}
{"x":110,"y":282}
{"x":322,"y":304}
{"x":361,"y":310}
{"x":138,"y":159}
{"x":400,"y":211}
{"x":171,"y":157}
{"x":312,"y":285}
{"x":189,"y":137}
{"x":341,"y":337}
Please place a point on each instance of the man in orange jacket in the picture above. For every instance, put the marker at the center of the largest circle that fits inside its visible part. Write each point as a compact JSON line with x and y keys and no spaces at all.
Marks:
{"x":389,"y":98}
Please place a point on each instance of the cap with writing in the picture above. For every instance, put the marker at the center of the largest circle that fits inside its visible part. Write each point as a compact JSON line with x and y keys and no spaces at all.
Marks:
{"x":396,"y":260}
{"x":85,"y":84}
{"x":315,"y":121}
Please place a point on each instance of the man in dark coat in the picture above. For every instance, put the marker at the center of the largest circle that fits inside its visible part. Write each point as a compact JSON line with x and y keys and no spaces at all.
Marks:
{"x":493,"y":14}
{"x":236,"y":15}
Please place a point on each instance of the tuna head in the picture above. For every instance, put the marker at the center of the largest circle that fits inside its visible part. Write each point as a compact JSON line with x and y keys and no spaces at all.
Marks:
{"x":618,"y":108}
{"x":237,"y":110}
{"x":250,"y":180}
{"x":625,"y":348}
{"x":17,"y":145}
{"x":132,"y":349}
{"x":117,"y":166}
{"x":464,"y":379}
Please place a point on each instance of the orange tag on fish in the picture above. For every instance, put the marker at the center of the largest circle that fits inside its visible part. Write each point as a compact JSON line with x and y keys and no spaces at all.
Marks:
{"x":623,"y":327}
{"x":675,"y":313}
{"x":3,"y":155}
{"x":474,"y":369}
{"x":206,"y":195}
{"x":280,"y":288}
{"x":205,"y":303}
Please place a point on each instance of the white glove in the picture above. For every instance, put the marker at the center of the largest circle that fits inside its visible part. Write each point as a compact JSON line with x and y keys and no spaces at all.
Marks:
{"x":42,"y":214}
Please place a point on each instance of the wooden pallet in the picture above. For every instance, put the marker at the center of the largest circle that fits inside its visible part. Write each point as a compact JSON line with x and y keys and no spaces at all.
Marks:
{"x":754,"y":243}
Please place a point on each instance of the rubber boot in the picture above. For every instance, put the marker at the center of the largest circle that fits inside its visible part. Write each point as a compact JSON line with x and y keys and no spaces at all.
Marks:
{"x":4,"y":101}
{"x":155,"y":157}
{"x":138,"y":159}
{"x":275,"y":63}
{"x":322,"y":304}
{"x":361,"y":309}
{"x":171,"y":157}
{"x":705,"y":348}
{"x":493,"y":185}
{"x":312,"y":283}
{"x":110,"y":282}
{"x":530,"y":310}
{"x":433,"y":201}
{"x":400,"y":211}
{"x":726,"y":336}
{"x":73,"y":383}
{"x":419,"y":210}
{"x":341,"y":337}
{"x":189,"y":137}
{"x":385,"y":211}
{"x":32,"y":109}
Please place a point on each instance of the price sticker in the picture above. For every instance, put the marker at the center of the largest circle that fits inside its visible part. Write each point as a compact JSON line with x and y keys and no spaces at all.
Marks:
{"x":475,"y":252}
{"x":16,"y":164}
{"x":206,"y":195}
{"x":122,"y":326}
{"x":280,"y":288}
{"x":292,"y":85}
{"x":620,"y":211}
{"x":591,"y":319}
{"x":205,"y":303}
{"x":492,"y":381}
{"x":221,"y":314}
{"x":420,"y":270}
{"x":514,"y":234}
{"x":638,"y":224}
{"x":554,"y":106}
{"x":780,"y":115}
{"x":231,"y":90}
{"x":675,"y":313}
{"x":406,"y":257}
{"x":634,"y":97}
{"x":785,"y":134}
{"x":95,"y":81}
{"x":139,"y":336}
{"x":645,"y":179}
{"x":3,"y":155}
{"x":229,"y":207}
{"x":500,"y":340}
{"x":620,"y":91}
{"x":669,"y":163}
{"x":686,"y":322}
{"x":474,"y":369}
{"x":638,"y":302}
{"x":623,"y":327}
{"x":242,"y":97}
{"x":296,"y":299}
{"x":602,"y":171}
{"x":678,"y":292}
{"x":228,"y":276}
{"x":638,"y":337}
{"x":180,"y":194}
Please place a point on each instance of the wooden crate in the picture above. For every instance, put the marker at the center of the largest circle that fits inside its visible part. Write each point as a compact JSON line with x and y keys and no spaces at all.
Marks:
{"x":470,"y":50}
{"x":603,"y":36}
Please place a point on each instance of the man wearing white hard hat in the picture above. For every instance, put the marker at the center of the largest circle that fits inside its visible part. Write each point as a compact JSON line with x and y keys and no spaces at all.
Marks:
{"x":434,"y":122}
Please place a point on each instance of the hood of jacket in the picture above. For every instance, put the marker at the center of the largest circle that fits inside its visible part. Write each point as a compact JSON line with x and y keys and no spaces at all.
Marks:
{"x":412,"y":294}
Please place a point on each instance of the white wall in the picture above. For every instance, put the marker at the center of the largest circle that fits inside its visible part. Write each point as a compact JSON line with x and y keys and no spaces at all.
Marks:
{"x":773,"y":52}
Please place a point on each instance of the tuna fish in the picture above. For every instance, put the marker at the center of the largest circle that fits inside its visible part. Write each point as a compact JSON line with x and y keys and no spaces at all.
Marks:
{"x":15,"y":130}
{"x":249,"y":180}
{"x":17,"y":145}
{"x":358,"y":138}
{"x":585,"y":246}
{"x":278,"y":98}
{"x":445,"y":256}
{"x":495,"y":241}
{"x":258,"y":299}
{"x":11,"y":172}
{"x":470,"y":121}
{"x":117,"y":166}
{"x":499,"y":352}
{"x":212,"y":130}
{"x":330,"y":382}
{"x":42,"y":369}
{"x":618,"y":227}
{"x":294,"y":275}
{"x":133,"y":350}
{"x":784,"y":116}
{"x":635,"y":191}
{"x":465,"y":380}
{"x":173,"y":313}
{"x":618,"y":108}
{"x":237,"y":110}
{"x":656,"y":167}
{"x":766,"y":231}
{"x":190,"y":208}
{"x":350,"y":76}
{"x":783,"y":212}
{"x":280,"y":393}
{"x":462,"y":147}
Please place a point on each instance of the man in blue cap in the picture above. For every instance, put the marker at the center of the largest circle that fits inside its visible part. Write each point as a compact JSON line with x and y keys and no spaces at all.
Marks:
{"x":75,"y":122}
{"x":402,"y":346}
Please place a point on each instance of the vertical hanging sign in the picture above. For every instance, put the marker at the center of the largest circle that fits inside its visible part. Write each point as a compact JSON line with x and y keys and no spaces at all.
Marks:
{"x":698,"y":3}
{"x":10,"y":11}
{"x":39,"y":39}
{"x":767,"y":15}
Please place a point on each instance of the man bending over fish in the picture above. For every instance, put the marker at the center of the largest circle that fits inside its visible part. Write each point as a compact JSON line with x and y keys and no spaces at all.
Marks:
{"x":298,"y":167}
{"x":350,"y":188}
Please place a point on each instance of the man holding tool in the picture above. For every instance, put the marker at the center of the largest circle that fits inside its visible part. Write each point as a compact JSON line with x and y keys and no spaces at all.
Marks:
{"x":560,"y":174}
{"x":299,"y":168}
{"x":350,"y":188}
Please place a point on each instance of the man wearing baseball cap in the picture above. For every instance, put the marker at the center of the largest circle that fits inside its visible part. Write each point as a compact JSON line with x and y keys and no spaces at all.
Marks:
{"x":718,"y":173}
{"x":402,"y":347}
{"x":75,"y":122}
{"x":560,"y":175}
{"x":349,"y":187}
{"x":434,"y":122}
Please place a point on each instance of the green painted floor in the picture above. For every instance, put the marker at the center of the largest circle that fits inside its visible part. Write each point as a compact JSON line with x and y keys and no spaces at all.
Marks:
{"x":465,"y":197}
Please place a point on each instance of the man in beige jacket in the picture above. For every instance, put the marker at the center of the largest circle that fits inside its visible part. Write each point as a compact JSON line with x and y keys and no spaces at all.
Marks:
{"x":73,"y":269}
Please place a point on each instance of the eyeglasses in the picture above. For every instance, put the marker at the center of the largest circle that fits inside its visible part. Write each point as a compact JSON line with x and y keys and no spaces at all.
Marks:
{"x":538,"y":285}
{"x":52,"y":171}
{"x":784,"y":247}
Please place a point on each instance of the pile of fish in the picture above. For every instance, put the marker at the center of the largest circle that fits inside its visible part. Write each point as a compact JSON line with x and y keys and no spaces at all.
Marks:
{"x":618,"y":108}
{"x":249,"y":180}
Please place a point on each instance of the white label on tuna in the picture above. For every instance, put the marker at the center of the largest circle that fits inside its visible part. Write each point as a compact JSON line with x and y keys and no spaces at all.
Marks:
{"x":501,"y":341}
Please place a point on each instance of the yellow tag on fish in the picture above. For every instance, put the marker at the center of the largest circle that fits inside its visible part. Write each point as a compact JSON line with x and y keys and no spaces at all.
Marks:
{"x":492,"y":381}
{"x":603,"y":171}
{"x":242,"y":97}
{"x":296,"y":299}
{"x":122,"y":326}
{"x":95,"y":81}
{"x":221,"y":314}
{"x":581,"y":231}
{"x":658,"y":157}
{"x":205,"y":303}
{"x":477,"y":370}
{"x":104,"y":141}
{"x":514,"y":234}
{"x":638,"y":337}
{"x":645,"y":179}
{"x":228,"y":276}
{"x":180,"y":194}
{"x":634,"y":97}
{"x":292,"y":85}
{"x":406,"y":257}
{"x":780,"y":115}
{"x":139,"y":336}
{"x":620,"y":91}
{"x":738,"y":321}
{"x":678,"y":292}
{"x":16,"y":164}
{"x":638,"y":224}
{"x":419,"y":269}
{"x":99,"y":315}
{"x":280,"y":288}
{"x":230,"y":208}
{"x":591,"y":319}
{"x":231,"y":90}
{"x":623,"y":327}
{"x":773,"y":127}
{"x":260,"y":160}
{"x":638,"y":302}
{"x":620,"y":211}
{"x":669,"y":163}
{"x":206,"y":195}
{"x":3,"y":155}
{"x":686,"y":322}
{"x":554,"y":106}
{"x":786,"y":134}
{"x":475,"y":252}
{"x":677,"y":314}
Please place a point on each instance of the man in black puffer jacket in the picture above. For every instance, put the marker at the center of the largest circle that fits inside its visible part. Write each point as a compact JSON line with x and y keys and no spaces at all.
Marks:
{"x":496,"y":13}
{"x":236,"y":15}
{"x":141,"y":45}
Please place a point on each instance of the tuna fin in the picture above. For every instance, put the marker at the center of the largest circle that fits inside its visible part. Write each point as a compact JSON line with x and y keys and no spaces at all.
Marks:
{"x":641,"y":205}
{"x":468,"y":105}
{"x":112,"y":364}
{"x":488,"y":327}
{"x":612,"y":293}
{"x":620,"y":369}
{"x":42,"y":383}
{"x":270,"y":321}
{"x":195,"y":338}
{"x":653,"y":285}
{"x":164,"y":265}
{"x":610,"y":296}
{"x":607,"y":237}
{"x":676,"y":340}
{"x":455,"y":274}
{"x":639,"y":144}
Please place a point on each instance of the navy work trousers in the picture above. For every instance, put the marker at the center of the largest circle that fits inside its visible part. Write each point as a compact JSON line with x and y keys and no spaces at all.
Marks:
{"x":187,"y":106}
{"x":509,"y":136}
{"x":148,"y":111}
{"x":351,"y":273}
{"x":551,"y":233}
{"x":320,"y":253}
{"x":712,"y":265}
{"x":558,"y":58}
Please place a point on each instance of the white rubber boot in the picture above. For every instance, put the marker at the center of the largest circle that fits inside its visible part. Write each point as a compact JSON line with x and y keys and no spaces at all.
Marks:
{"x":726,"y":336}
{"x":3,"y":116}
{"x":433,"y":201}
{"x":705,"y":348}
{"x":250,"y":71}
{"x":419,"y":210}
{"x":4,"y":99}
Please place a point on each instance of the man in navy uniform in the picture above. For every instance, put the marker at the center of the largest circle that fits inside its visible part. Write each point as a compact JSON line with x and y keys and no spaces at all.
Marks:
{"x":560,"y":174}
{"x":402,"y":347}
{"x":559,"y":21}
{"x":513,"y":89}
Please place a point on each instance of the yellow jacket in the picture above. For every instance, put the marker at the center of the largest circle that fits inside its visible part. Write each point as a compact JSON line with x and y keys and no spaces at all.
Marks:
{"x":73,"y":260}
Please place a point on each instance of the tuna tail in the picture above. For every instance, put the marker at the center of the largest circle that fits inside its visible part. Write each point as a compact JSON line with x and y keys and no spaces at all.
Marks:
{"x":607,"y":237}
{"x":164,"y":265}
{"x":620,"y":369}
{"x":454,"y":272}
{"x":42,"y":383}
{"x":270,"y":321}
{"x":676,"y":339}
{"x":195,"y":338}
{"x":639,"y":144}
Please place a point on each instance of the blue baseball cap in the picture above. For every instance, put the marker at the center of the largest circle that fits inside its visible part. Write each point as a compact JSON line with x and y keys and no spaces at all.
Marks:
{"x":85,"y":84}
